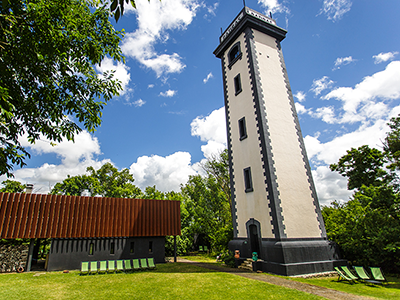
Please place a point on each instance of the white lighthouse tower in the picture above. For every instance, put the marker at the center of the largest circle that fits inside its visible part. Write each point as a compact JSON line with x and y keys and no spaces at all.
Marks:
{"x":275,"y":209}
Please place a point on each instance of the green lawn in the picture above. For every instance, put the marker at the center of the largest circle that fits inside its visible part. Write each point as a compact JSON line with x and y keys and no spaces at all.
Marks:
{"x":390,"y":290}
{"x":169,"y":281}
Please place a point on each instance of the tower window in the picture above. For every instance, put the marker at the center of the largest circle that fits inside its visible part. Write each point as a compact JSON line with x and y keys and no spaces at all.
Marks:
{"x":242,"y":129}
{"x":234,"y":54}
{"x":238,"y":84}
{"x":248,"y":184}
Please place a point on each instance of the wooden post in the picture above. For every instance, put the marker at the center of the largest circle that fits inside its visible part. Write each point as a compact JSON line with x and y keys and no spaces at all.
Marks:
{"x":30,"y":255}
{"x":174,"y":248}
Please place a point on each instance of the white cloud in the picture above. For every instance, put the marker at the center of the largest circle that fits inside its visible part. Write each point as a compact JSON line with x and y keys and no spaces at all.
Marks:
{"x":365,"y":99}
{"x":335,"y":9}
{"x":211,"y":129}
{"x":382,"y":57}
{"x":330,"y":186}
{"x":300,"y":96}
{"x":155,"y":18}
{"x":342,"y":61}
{"x":321,"y":84}
{"x":169,"y":93}
{"x":330,"y":152}
{"x":167,"y":173}
{"x":75,"y":158}
{"x":273,"y":6}
{"x":327,"y":114}
{"x":121,"y":72}
{"x":210,"y":75}
{"x":150,"y":86}
{"x":300,"y":108}
{"x":139,"y":103}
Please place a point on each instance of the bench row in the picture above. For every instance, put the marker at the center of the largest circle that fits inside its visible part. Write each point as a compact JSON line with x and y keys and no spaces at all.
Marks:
{"x":111,"y":266}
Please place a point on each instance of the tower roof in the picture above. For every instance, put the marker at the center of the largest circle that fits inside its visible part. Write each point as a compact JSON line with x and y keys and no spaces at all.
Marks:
{"x":248,"y":18}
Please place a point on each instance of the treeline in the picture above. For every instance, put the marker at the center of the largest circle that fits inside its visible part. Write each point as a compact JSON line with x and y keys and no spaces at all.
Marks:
{"x":367,"y":227}
{"x":205,"y":200}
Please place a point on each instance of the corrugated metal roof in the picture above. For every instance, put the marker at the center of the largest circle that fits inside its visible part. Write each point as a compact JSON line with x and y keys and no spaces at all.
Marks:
{"x":56,"y":216}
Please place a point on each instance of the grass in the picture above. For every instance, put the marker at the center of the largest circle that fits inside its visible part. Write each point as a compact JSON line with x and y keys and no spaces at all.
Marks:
{"x":390,"y":290}
{"x":168,"y":281}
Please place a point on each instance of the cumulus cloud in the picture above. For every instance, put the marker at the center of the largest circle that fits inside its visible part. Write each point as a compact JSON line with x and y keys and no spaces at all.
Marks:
{"x":382,"y":57}
{"x":365,"y":100}
{"x":300,"y":108}
{"x":335,"y":9}
{"x":273,"y":6}
{"x":75,"y":158}
{"x":139,"y":103}
{"x":155,"y":19}
{"x":300,"y":96}
{"x":169,"y":93}
{"x":330,"y":186}
{"x":210,"y":75}
{"x":211,"y":129}
{"x":330,"y":151}
{"x":167,"y":173}
{"x":121,"y":72}
{"x":327,"y":114}
{"x":342,"y":61}
{"x":321,"y":84}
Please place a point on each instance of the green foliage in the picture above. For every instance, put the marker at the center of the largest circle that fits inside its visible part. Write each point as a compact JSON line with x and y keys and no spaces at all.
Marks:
{"x":391,"y":145}
{"x":106,"y":182}
{"x":48,"y":53}
{"x":362,"y":166}
{"x":367,"y":228}
{"x":229,"y":259}
{"x":207,"y":204}
{"x":12,"y":186}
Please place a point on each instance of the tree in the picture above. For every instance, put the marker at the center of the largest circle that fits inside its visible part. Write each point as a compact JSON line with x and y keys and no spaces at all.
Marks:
{"x":207,"y":204}
{"x":362,"y":166}
{"x":48,"y":83}
{"x":368,"y":226}
{"x":391,"y":145}
{"x":117,"y":7}
{"x":12,"y":186}
{"x":106,"y":182}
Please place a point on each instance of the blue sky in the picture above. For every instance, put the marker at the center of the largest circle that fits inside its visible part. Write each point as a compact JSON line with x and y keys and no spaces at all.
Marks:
{"x":342,"y":58}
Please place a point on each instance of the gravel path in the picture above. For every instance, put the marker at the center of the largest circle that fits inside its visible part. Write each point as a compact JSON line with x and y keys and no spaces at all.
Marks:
{"x":304,"y":287}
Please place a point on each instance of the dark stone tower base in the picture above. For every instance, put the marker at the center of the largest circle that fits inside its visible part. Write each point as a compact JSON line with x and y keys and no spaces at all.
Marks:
{"x":291,"y":257}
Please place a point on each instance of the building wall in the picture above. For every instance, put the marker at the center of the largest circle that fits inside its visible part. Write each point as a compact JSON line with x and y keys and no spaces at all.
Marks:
{"x":245,"y":153}
{"x":283,"y":200}
{"x":292,"y":180}
{"x":67,"y":254}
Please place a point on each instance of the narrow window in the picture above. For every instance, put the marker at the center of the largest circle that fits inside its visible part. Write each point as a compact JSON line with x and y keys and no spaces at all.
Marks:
{"x":234,"y":54}
{"x":238,"y":84}
{"x":112,"y":248}
{"x":248,"y":184}
{"x":242,"y":129}
{"x":150,"y":247}
{"x":132,"y":250}
{"x":91,"y":249}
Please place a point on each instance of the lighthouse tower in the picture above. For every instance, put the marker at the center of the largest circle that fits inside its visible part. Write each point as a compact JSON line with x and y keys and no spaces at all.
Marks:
{"x":275,"y":210}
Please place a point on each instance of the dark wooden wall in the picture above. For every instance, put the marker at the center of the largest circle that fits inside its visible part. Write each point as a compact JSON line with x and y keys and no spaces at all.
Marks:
{"x":56,"y":216}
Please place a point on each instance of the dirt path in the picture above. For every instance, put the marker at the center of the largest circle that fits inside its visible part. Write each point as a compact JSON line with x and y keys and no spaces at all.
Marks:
{"x":304,"y":287}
